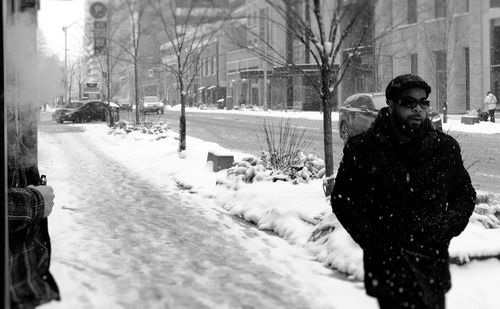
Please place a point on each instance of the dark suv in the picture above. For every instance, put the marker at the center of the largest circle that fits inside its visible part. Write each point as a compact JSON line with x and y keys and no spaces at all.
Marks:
{"x":358,"y":112}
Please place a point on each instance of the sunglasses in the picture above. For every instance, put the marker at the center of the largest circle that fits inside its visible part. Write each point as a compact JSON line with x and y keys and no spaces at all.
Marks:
{"x":411,"y":102}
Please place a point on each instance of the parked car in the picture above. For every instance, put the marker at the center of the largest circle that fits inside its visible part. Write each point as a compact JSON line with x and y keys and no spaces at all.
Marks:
{"x":59,"y":114}
{"x":358,"y":112}
{"x":125,"y":104}
{"x":152,"y":104}
{"x":90,"y":111}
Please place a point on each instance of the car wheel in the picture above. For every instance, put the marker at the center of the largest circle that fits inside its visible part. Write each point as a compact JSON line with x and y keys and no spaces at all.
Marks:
{"x":162,"y":111}
{"x":77,"y":120}
{"x":344,"y":131}
{"x":60,"y":120}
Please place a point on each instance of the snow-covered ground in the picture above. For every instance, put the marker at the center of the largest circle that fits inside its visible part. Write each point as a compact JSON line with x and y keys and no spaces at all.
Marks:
{"x":291,"y":211}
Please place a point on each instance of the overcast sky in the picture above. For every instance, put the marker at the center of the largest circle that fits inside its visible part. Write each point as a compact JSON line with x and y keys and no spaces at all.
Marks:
{"x":53,"y":16}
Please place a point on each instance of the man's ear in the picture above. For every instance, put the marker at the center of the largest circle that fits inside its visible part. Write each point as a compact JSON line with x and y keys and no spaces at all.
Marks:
{"x":390,"y":104}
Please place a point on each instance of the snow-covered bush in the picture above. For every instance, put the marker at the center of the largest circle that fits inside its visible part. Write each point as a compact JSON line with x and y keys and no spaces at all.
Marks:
{"x":487,"y":211}
{"x":126,"y":127}
{"x":283,"y":159}
{"x":284,"y":146}
{"x":252,"y":169}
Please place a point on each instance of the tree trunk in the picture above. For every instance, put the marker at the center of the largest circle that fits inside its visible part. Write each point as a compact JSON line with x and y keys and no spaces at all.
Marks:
{"x":136,"y":87}
{"x":182,"y":119}
{"x":108,"y":86}
{"x":327,"y":129}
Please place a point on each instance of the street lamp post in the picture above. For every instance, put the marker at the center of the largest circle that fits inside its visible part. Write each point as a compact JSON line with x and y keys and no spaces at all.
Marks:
{"x":65,"y":28}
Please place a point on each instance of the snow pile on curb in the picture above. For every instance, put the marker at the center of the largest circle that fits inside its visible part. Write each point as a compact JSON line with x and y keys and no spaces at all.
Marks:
{"x":126,"y":127}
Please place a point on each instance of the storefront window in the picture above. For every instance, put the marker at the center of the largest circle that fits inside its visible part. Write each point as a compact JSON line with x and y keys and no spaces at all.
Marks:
{"x":495,"y":56}
{"x":495,"y":41}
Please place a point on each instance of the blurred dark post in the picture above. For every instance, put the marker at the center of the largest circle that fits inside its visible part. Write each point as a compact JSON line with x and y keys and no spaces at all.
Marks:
{"x":445,"y":112}
{"x":4,"y":302}
{"x":20,"y":111}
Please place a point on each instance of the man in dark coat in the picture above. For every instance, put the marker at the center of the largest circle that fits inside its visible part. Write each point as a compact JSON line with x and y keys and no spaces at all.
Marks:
{"x":402,"y":193}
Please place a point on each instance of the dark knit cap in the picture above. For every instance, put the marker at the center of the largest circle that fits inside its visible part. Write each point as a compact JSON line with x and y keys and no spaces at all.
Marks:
{"x":402,"y":82}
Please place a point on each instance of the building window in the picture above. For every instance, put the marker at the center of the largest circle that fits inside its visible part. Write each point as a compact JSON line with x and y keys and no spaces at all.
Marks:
{"x":495,"y":41}
{"x":268,"y":26}
{"x":467,"y":78}
{"x":440,"y":8}
{"x":206,"y":67}
{"x":262,"y":24}
{"x":414,"y":63}
{"x":467,"y":5}
{"x":441,"y":79}
{"x":412,"y":11}
{"x":494,"y":3}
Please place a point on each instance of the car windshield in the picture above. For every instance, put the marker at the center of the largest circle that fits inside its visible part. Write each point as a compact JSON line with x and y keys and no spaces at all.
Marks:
{"x":151,"y":99}
{"x":379,"y":102}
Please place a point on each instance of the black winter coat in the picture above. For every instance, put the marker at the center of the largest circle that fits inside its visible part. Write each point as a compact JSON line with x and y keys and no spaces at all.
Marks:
{"x":403,"y":201}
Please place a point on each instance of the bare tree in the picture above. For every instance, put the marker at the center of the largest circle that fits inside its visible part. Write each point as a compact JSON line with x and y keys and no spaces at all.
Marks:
{"x":441,"y":41}
{"x":108,"y":62}
{"x":130,"y":40}
{"x":323,"y":28}
{"x":187,"y":27}
{"x":72,"y":72}
{"x":80,"y":75}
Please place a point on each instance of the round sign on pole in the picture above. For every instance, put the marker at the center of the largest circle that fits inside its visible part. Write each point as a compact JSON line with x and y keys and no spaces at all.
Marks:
{"x":98,"y":10}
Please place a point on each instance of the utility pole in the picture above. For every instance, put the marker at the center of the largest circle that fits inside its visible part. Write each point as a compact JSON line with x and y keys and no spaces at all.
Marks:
{"x":65,"y":80}
{"x":65,"y":29}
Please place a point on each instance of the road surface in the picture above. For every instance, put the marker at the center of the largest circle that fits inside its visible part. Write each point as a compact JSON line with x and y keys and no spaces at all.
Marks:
{"x":481,"y":152}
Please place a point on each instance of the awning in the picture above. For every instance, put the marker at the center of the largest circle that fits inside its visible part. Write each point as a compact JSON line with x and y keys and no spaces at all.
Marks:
{"x":201,"y":88}
{"x":211,"y":87}
{"x":257,"y":73}
{"x":296,"y":70}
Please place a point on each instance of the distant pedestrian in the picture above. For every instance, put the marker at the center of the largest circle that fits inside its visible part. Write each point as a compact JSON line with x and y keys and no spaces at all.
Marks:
{"x":490,"y":104}
{"x":402,"y":193}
